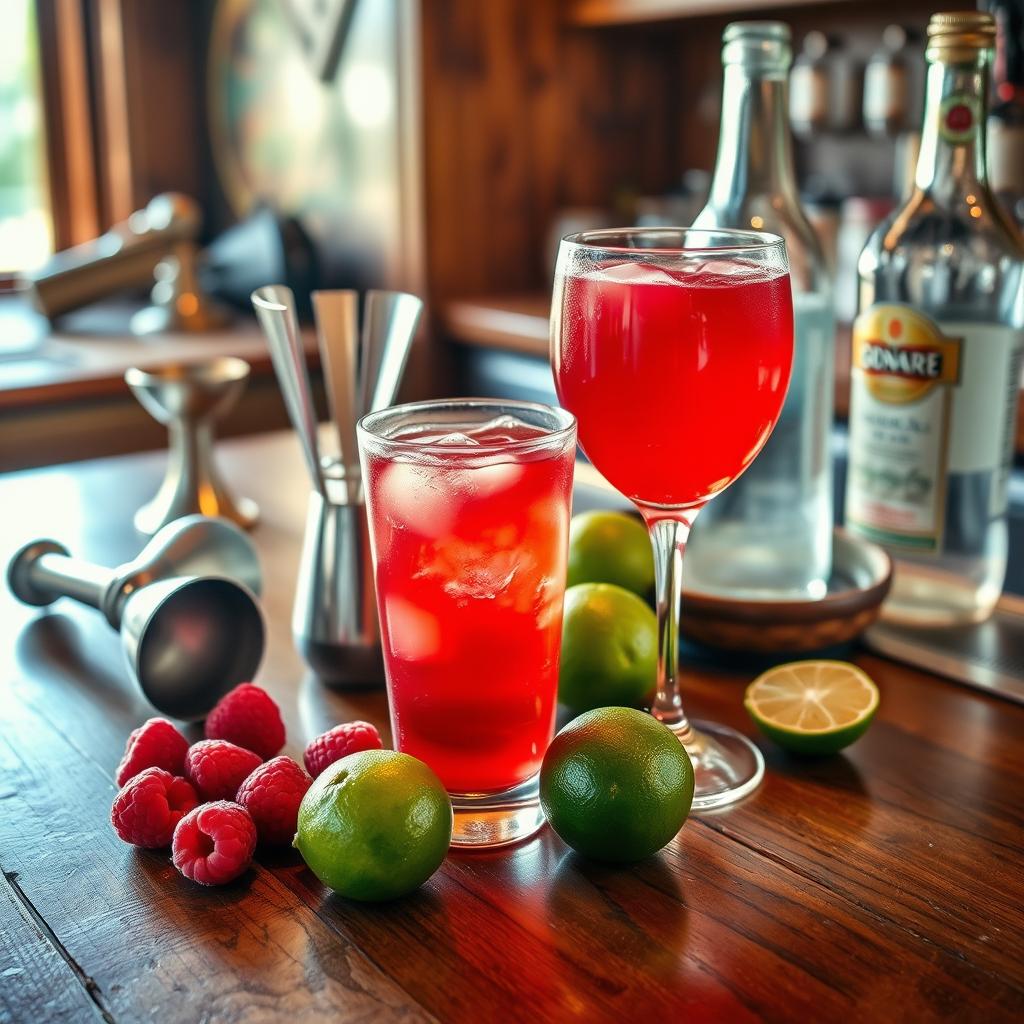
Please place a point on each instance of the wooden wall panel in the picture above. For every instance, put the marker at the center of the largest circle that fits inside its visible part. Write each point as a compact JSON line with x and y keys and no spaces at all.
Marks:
{"x":168,"y":146}
{"x":147,"y":78}
{"x":523,"y":116}
{"x":620,"y":98}
{"x":489,"y":119}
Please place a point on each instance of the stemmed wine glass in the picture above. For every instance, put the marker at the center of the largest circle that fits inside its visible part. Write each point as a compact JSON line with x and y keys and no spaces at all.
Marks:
{"x":673,"y":347}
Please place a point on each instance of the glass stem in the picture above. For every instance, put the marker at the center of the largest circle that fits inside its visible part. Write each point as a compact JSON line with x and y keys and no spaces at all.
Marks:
{"x":668,"y":537}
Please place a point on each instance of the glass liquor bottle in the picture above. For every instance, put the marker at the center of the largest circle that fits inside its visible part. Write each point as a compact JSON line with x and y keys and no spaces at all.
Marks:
{"x":769,"y":535}
{"x":936,"y":356}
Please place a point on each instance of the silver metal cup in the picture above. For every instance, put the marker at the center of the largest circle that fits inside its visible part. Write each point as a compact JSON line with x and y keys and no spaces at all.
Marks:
{"x":334,"y":621}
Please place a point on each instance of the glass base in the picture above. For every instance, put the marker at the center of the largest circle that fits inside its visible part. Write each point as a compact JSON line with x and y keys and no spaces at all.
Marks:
{"x":726,"y":765}
{"x":485,"y":820}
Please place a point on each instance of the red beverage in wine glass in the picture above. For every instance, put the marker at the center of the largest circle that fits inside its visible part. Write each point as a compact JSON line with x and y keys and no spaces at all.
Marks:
{"x":675,"y":376}
{"x":673,"y":347}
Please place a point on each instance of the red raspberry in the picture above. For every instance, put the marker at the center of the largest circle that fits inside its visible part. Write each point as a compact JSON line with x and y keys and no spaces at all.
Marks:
{"x":155,"y":744}
{"x":149,"y":806}
{"x":272,"y":795}
{"x":217,"y":768}
{"x":214,"y":843}
{"x":337,"y":743}
{"x":248,"y":717}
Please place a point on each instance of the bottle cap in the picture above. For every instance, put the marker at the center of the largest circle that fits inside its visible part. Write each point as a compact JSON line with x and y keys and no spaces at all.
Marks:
{"x":762,"y":47}
{"x":959,"y":35}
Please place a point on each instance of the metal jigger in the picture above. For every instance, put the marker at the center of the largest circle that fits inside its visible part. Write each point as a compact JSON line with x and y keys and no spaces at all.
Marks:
{"x":334,"y":620}
{"x":190,"y":624}
{"x":187,"y":399}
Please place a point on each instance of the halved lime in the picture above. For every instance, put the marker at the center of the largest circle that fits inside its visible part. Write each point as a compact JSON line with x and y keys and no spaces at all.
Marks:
{"x":812,"y":707}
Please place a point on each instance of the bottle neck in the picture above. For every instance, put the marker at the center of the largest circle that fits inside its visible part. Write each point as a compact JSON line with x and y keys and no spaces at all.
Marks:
{"x":951,"y":161}
{"x":755,"y":149}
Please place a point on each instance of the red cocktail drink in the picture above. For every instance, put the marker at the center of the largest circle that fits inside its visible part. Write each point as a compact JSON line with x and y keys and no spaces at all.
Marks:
{"x":675,"y":376}
{"x":673,"y":347}
{"x":469,"y":517}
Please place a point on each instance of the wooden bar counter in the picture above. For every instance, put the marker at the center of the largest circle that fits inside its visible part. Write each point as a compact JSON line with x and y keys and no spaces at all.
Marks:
{"x":885,"y":884}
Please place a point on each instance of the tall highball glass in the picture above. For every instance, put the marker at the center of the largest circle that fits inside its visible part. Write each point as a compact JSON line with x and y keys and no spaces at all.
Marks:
{"x":468,"y":502}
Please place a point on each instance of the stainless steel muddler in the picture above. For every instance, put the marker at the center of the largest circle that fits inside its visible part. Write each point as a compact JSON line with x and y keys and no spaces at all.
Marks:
{"x":186,"y":609}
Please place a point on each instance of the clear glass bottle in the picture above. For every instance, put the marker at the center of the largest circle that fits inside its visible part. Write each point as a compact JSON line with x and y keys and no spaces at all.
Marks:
{"x":936,"y":356}
{"x":769,"y":535}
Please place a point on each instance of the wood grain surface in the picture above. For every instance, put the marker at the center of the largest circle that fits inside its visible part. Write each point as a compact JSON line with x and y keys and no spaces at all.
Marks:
{"x":34,"y":970}
{"x":524,"y":117}
{"x":885,"y":883}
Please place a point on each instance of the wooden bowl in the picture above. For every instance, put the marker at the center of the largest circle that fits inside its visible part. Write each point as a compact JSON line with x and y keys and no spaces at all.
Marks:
{"x":861,"y":576}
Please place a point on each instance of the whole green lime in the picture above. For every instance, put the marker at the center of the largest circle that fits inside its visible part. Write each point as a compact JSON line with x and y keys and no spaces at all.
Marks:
{"x":375,"y":825}
{"x":610,"y":547}
{"x":616,"y":785}
{"x":609,"y":648}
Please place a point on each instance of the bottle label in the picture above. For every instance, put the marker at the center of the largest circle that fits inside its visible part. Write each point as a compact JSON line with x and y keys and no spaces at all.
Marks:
{"x":958,"y":117}
{"x":926,"y":401}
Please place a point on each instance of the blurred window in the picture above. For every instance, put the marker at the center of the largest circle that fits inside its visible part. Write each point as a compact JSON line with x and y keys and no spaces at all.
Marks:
{"x":26,"y":226}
